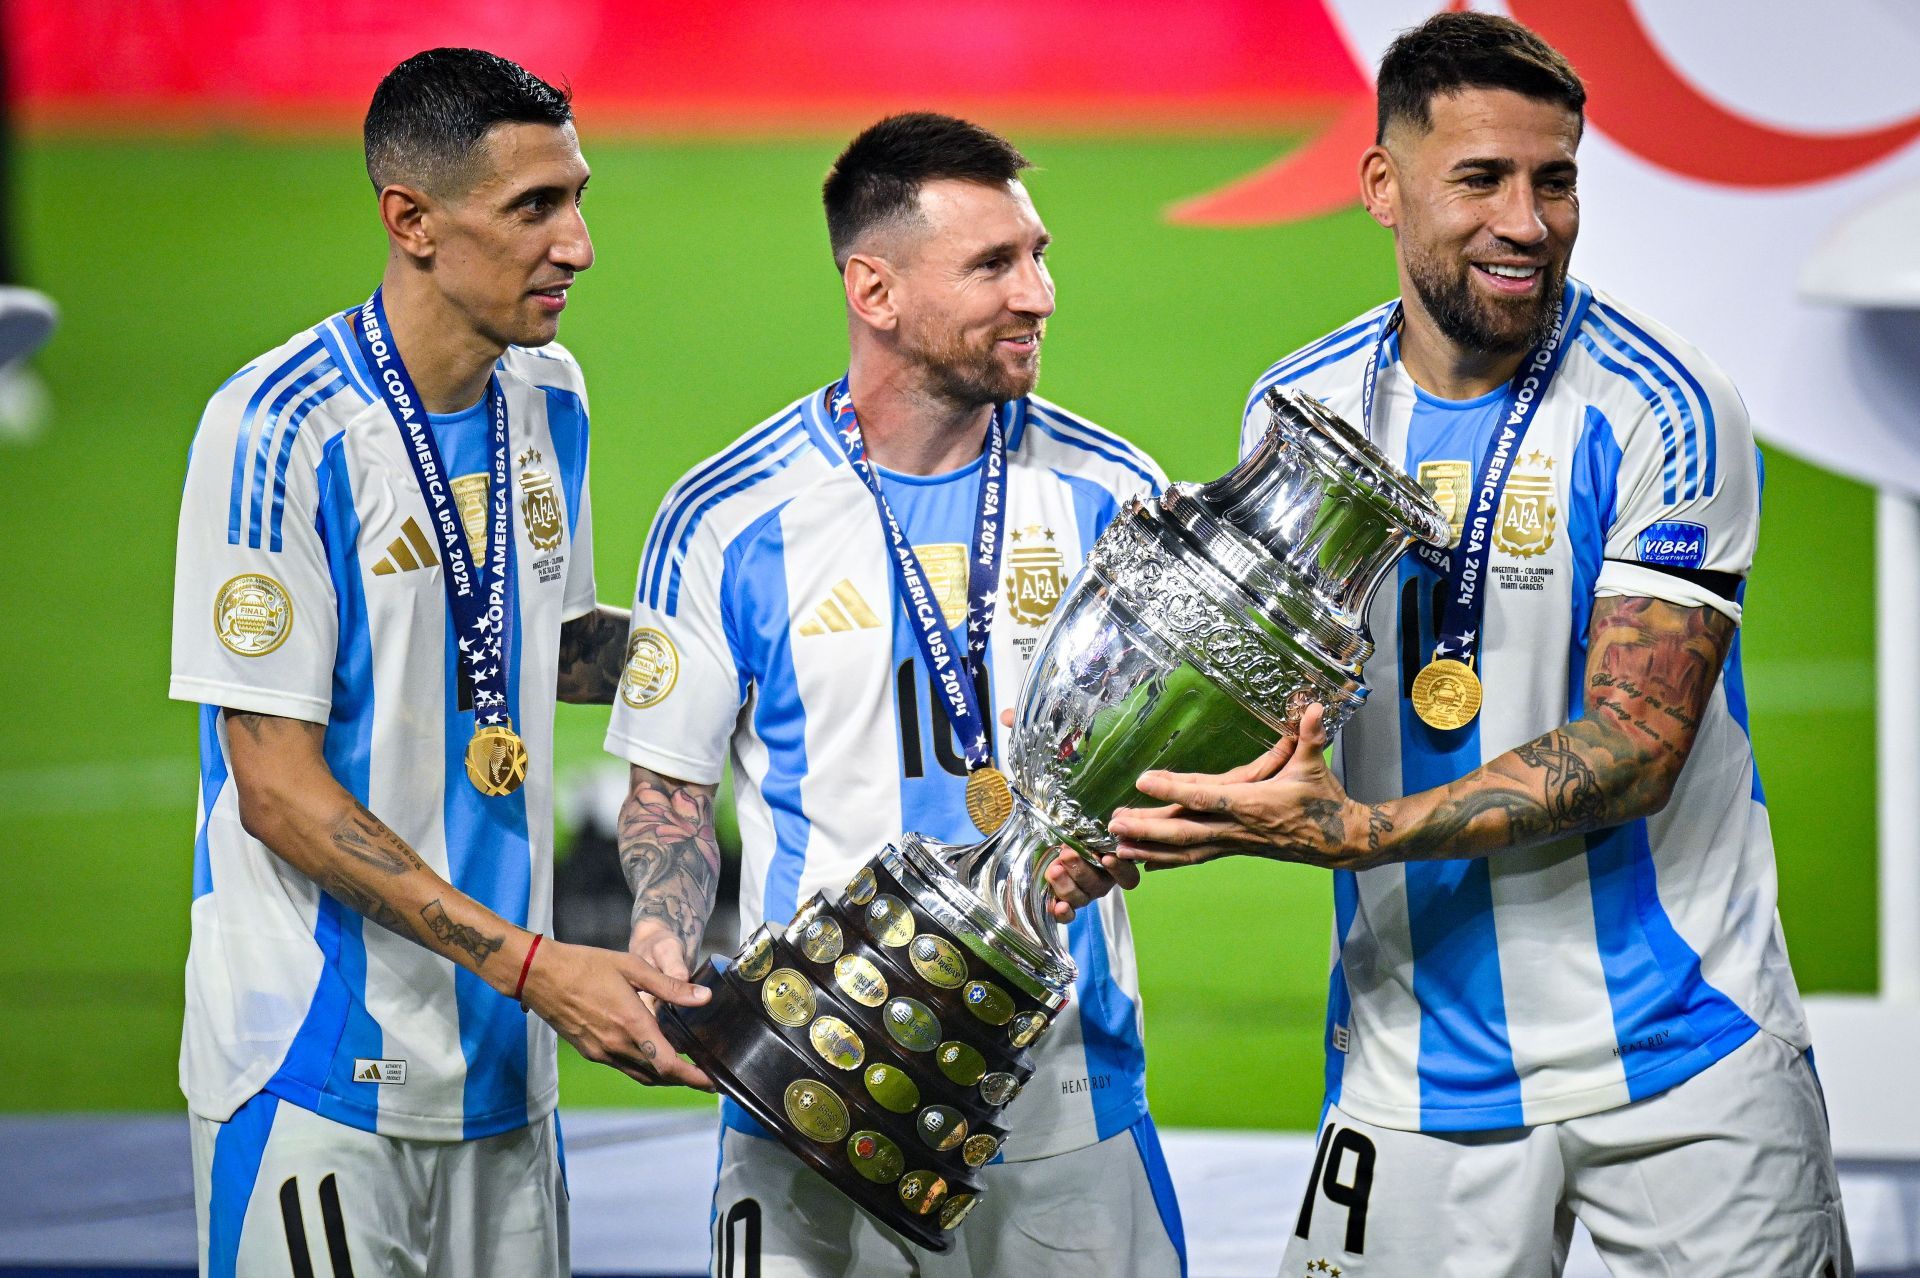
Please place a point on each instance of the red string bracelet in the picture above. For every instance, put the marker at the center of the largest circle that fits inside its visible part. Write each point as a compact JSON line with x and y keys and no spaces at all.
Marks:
{"x":527,"y":966}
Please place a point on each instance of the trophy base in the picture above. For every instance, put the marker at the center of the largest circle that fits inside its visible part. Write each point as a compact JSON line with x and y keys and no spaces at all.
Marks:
{"x":875,"y":1042}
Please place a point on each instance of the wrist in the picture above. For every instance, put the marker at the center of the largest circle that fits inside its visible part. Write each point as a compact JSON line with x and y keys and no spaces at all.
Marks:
{"x":516,"y":964}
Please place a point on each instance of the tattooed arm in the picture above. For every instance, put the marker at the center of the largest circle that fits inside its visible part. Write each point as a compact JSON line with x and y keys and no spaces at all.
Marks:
{"x":671,"y":857}
{"x":291,"y":801}
{"x":593,"y":649}
{"x":1651,"y":668}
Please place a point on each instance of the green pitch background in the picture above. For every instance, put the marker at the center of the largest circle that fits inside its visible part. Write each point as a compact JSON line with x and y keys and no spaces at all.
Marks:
{"x":713,"y":303}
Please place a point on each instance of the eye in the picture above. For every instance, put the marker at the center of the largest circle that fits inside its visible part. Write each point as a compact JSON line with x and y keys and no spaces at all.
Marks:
{"x":1480,"y":181}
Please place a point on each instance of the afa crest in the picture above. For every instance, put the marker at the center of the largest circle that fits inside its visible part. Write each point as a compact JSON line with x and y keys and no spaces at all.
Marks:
{"x":1527,"y":513}
{"x":1036,"y":576}
{"x":540,"y":503}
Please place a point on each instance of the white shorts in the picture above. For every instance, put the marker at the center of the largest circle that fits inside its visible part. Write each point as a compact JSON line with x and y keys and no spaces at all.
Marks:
{"x":1727,"y":1175}
{"x":279,"y":1190}
{"x":1105,"y":1211}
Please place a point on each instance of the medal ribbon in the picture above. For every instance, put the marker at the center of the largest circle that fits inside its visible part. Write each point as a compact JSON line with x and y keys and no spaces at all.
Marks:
{"x":478,"y":607}
{"x":1466,"y":571}
{"x":955,"y":678}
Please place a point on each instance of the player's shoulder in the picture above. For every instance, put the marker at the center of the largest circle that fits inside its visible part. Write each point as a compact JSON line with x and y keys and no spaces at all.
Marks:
{"x":552,"y":366}
{"x":757,"y":470}
{"x":1629,"y":360}
{"x":1041,"y":432}
{"x":310,"y":385}
{"x":1327,"y":359}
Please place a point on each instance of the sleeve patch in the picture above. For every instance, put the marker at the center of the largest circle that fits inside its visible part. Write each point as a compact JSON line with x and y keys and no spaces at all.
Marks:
{"x":653,"y":667}
{"x":252,"y":615}
{"x":1672,"y":543}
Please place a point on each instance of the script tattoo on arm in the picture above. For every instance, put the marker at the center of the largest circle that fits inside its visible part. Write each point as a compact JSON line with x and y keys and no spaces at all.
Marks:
{"x":670,"y":854}
{"x":478,"y":947}
{"x":593,"y":649}
{"x":1651,"y":667}
{"x":365,"y":837}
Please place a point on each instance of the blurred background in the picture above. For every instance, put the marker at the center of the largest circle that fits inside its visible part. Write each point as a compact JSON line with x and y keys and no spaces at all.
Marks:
{"x":183,"y":179}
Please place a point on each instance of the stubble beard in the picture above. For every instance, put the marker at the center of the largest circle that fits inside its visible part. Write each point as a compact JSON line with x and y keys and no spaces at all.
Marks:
{"x":971,"y":376}
{"x":1479,"y":324}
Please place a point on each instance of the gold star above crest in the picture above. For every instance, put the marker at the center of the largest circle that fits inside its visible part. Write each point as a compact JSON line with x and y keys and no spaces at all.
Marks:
{"x":1539,"y":460}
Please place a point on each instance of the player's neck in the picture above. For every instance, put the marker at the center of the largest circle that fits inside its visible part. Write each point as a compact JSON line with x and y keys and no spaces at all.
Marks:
{"x":1443,"y":367}
{"x":909,"y":429}
{"x":448,"y":361}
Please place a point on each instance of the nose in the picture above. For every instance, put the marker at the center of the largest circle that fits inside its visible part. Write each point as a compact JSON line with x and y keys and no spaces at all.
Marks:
{"x":1032,"y":290}
{"x":1519,"y":216}
{"x":573,"y":248}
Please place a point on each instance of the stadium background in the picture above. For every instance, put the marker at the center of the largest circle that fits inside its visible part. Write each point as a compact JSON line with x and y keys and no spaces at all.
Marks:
{"x":186,"y":183}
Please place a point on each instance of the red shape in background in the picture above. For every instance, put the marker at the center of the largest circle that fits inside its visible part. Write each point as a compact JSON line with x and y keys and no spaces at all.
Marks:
{"x":1642,"y":101}
{"x":1636,"y":96}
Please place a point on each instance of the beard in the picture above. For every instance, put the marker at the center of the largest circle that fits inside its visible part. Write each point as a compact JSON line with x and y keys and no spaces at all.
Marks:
{"x":1489,"y":326}
{"x":971,"y":374}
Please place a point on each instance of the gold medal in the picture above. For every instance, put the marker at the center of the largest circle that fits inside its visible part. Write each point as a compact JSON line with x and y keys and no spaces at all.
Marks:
{"x":989,"y":798}
{"x":496,"y":760}
{"x":1446,"y":694}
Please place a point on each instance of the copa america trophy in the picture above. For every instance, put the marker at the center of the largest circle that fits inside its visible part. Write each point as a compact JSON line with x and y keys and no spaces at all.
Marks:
{"x":881,"y":1034}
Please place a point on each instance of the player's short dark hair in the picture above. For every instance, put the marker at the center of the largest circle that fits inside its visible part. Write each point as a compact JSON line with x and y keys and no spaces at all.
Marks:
{"x":1454,"y":51}
{"x":430,"y":114}
{"x":877,"y":179}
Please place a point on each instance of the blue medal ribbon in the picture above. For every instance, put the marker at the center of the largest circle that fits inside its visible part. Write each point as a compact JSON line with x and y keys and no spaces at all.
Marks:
{"x":1466,"y":571}
{"x":478,"y":604}
{"x":955,"y":678}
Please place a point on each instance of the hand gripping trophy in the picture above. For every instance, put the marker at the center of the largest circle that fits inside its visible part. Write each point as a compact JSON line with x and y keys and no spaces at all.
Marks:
{"x":880,"y":1034}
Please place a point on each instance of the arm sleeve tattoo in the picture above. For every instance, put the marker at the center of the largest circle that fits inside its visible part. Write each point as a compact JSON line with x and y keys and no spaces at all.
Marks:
{"x":593,"y":649}
{"x":670,"y":854}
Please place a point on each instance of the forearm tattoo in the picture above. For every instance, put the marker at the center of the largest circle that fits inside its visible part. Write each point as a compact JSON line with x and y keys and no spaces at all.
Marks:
{"x":357,"y":898}
{"x":1651,"y":668}
{"x":593,"y":649}
{"x":365,"y":837}
{"x":670,"y":854}
{"x":460,"y":935}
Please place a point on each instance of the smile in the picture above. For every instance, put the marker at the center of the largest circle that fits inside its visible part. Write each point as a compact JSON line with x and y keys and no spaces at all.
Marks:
{"x":1507,"y":278}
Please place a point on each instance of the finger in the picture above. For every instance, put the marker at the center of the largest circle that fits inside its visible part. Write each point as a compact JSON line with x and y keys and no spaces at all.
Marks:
{"x":1187,"y":830}
{"x":1163,"y":856}
{"x":672,"y":989}
{"x":1313,"y":733}
{"x":1077,"y":881}
{"x":658,"y":1056}
{"x":1060,"y":910}
{"x":1006,"y":717}
{"x":1191,"y":790}
{"x":1266,"y":765}
{"x":1124,"y":873}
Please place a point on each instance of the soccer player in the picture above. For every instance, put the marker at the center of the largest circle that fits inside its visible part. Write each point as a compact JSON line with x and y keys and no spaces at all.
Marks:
{"x":1560,"y":988}
{"x":384,"y":580}
{"x":768,"y":622}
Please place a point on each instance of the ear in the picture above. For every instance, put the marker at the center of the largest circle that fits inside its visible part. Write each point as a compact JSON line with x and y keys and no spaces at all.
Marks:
{"x":870,"y":282}
{"x":1380,"y":185}
{"x":404,"y":212}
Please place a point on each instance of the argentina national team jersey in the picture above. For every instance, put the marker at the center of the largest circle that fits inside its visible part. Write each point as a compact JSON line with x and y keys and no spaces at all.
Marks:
{"x":308,"y":586}
{"x":1538,"y":985}
{"x":766,"y":628}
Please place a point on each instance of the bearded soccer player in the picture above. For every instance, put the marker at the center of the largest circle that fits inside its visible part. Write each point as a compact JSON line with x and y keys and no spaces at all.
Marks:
{"x":769,"y":624}
{"x":385,"y":579}
{"x":1560,"y":988}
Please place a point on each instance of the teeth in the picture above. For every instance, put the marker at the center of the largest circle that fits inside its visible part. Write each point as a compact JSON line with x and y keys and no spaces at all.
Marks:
{"x":1512,"y":272}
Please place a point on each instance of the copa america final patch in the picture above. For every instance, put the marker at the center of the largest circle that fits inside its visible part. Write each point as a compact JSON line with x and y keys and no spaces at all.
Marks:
{"x":1673,"y":543}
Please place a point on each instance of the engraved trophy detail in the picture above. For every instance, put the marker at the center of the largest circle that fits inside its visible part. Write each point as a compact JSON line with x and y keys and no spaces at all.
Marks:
{"x":881,"y":1034}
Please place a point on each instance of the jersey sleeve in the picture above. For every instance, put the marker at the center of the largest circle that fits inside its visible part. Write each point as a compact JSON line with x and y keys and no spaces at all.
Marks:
{"x":255,"y":624}
{"x":1687,"y":498}
{"x":681,"y":689}
{"x":582,"y":598}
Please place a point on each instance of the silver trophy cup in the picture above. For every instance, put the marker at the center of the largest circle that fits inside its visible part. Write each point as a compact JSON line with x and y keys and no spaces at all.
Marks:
{"x":881,"y":1034}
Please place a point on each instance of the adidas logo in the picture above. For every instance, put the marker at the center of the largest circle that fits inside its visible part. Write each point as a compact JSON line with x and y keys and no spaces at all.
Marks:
{"x":844,"y":609}
{"x":408,"y":551}
{"x":390,"y":1073}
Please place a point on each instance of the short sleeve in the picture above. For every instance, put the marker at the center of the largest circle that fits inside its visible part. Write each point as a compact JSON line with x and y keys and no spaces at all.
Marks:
{"x":255,"y":622}
{"x":682,"y":687}
{"x":1687,"y":497}
{"x":582,"y":597}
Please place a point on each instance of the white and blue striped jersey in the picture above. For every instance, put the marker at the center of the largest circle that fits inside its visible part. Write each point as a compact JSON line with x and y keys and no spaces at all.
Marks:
{"x":766,"y":627}
{"x":308,"y":585}
{"x":1532,"y":986}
